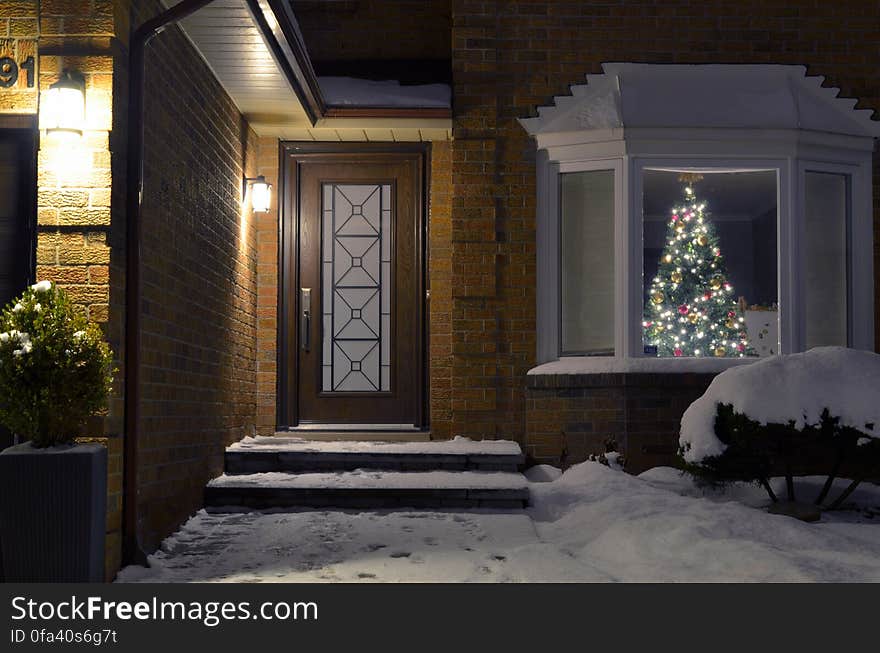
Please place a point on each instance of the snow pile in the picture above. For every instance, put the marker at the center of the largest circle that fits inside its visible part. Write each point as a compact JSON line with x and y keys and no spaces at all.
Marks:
{"x":349,"y":91}
{"x":796,"y":387}
{"x":542,"y":473}
{"x":595,"y":523}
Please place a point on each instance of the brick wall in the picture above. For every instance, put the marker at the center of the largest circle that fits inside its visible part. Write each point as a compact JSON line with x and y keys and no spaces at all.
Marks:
{"x":199,"y":309}
{"x":508,"y":58}
{"x":77,"y":203}
{"x":440,"y":305}
{"x":267,"y":292}
{"x":374,"y":29}
{"x":572,"y":416}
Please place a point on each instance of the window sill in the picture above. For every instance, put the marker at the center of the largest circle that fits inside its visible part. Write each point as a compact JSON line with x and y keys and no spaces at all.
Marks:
{"x":613,"y":365}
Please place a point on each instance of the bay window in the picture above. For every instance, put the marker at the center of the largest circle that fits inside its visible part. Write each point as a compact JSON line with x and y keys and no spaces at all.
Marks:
{"x":736,"y":226}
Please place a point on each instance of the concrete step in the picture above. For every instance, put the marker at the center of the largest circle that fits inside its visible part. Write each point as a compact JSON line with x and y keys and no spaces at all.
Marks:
{"x":369,"y":489}
{"x":291,"y":454}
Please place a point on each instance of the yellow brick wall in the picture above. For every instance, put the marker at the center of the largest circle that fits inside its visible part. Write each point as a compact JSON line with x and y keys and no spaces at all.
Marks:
{"x":267,"y":291}
{"x":80,"y":185}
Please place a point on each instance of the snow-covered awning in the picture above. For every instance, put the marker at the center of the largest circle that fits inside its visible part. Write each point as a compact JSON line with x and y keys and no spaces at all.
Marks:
{"x":731,"y":96}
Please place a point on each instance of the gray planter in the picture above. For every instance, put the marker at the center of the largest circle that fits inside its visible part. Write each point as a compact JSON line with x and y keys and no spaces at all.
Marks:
{"x":53,"y":511}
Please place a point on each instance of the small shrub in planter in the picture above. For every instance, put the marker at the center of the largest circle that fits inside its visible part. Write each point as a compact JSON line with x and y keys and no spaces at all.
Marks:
{"x":55,"y":368}
{"x":55,"y":372}
{"x":810,"y":413}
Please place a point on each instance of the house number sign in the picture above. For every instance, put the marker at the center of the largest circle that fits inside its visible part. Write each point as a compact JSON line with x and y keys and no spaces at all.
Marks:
{"x":10,"y":70}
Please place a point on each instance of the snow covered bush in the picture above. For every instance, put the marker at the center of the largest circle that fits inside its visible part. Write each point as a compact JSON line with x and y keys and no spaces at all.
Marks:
{"x":55,"y":368}
{"x":817,"y":410}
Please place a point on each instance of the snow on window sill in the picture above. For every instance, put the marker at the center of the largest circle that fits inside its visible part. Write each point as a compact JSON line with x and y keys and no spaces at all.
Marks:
{"x":610,"y":365}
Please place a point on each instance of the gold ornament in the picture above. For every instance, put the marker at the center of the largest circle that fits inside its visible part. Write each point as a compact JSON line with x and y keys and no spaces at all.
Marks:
{"x":657,"y":297}
{"x":660,"y":328}
{"x":679,"y":227}
{"x":702,"y":240}
{"x":720,"y":351}
{"x":715,"y":283}
{"x":676,"y":276}
{"x":730,"y":323}
{"x":693,"y":317}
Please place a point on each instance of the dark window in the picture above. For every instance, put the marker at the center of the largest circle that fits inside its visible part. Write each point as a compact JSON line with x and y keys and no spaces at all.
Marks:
{"x":17,"y":209}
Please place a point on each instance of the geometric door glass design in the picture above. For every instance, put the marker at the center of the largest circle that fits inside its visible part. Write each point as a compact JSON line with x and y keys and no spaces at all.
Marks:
{"x":355,"y":279}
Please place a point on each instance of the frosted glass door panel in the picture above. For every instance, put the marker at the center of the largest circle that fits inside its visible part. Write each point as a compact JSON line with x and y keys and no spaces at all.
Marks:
{"x":356,"y":284}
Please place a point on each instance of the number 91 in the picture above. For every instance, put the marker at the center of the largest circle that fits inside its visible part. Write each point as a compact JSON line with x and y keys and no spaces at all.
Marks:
{"x":9,"y":71}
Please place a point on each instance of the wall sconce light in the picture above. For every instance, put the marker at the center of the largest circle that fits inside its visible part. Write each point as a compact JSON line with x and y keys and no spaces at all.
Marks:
{"x":63,"y":106}
{"x":261,"y":193}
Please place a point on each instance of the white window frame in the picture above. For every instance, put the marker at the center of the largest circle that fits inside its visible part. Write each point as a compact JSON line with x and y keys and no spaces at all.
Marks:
{"x":789,"y":155}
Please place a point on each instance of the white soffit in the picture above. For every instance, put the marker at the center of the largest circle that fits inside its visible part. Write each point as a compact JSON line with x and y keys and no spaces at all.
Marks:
{"x":228,"y":38}
{"x":731,"y":96}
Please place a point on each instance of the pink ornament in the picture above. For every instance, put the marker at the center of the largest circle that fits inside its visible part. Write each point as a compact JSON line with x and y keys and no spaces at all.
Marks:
{"x":707,"y":296}
{"x":730,"y":313}
{"x":674,"y":218}
{"x":740,"y":347}
{"x":677,"y":351}
{"x":683,"y":309}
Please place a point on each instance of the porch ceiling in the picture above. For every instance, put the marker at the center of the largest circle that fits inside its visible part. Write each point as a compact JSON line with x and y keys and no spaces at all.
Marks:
{"x":229,"y":38}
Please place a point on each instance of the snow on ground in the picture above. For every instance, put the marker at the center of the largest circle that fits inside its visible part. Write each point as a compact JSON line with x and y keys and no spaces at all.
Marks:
{"x":797,"y":387}
{"x":592,"y":523}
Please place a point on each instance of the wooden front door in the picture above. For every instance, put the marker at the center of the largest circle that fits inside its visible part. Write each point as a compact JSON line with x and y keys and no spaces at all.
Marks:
{"x":356,"y":334}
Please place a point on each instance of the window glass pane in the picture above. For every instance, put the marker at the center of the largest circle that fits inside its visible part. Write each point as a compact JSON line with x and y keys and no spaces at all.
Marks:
{"x":587,"y":272}
{"x":710,"y":277}
{"x":825,"y":216}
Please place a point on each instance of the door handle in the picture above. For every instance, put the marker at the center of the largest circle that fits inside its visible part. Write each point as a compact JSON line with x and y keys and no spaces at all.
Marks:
{"x":305,"y":322}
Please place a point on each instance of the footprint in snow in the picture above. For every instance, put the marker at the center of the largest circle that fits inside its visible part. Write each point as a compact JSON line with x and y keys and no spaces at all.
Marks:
{"x":401,"y":554}
{"x":374,"y":547}
{"x":430,"y":541}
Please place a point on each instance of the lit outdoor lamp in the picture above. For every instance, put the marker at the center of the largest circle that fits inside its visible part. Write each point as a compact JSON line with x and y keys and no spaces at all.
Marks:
{"x":261,"y":193}
{"x":63,"y":106}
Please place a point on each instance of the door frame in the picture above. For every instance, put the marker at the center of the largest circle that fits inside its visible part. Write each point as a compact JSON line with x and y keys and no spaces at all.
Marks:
{"x":291,"y":155}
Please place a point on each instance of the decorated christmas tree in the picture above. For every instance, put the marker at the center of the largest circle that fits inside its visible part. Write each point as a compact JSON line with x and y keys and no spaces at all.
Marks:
{"x":691,"y":308}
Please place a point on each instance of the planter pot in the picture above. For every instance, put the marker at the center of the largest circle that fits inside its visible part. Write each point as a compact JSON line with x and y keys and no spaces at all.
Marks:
{"x":53,"y":511}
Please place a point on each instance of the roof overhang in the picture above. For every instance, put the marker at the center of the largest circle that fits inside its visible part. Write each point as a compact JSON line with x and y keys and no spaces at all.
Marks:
{"x":256,"y":51}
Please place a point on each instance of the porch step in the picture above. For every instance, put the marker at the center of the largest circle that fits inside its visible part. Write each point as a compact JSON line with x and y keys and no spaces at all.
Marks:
{"x":369,"y":489}
{"x":291,"y":454}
